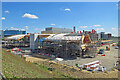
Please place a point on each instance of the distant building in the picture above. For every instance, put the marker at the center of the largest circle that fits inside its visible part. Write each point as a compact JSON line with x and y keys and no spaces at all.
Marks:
{"x":52,"y":30}
{"x":109,"y":35}
{"x":103,"y":36}
{"x":6,"y":33}
{"x":93,"y":34}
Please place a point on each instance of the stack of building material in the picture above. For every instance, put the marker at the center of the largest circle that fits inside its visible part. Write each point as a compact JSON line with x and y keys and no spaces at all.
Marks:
{"x":101,"y":68}
{"x":92,"y":66}
{"x":59,"y":59}
{"x":15,"y":51}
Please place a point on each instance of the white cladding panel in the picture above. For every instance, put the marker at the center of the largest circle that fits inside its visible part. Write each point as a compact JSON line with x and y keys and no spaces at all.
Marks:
{"x":33,"y":41}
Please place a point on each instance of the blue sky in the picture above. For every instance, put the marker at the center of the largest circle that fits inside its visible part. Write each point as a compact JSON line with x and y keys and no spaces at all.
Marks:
{"x":60,"y":0}
{"x":35,"y":16}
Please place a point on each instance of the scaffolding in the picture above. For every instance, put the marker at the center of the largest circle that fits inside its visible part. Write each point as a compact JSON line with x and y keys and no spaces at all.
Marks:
{"x":16,"y":41}
{"x":70,"y":48}
{"x":62,"y":48}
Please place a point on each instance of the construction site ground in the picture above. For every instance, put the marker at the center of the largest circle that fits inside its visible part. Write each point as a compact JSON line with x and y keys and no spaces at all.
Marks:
{"x":68,"y":66}
{"x":107,"y":61}
{"x":71,"y":70}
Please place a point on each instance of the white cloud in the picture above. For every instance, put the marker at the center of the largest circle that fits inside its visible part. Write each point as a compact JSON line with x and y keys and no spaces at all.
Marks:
{"x":53,"y":24}
{"x":99,"y":29}
{"x":96,"y":25}
{"x":113,"y":28}
{"x":30,"y":16}
{"x":22,"y":29}
{"x":107,"y":32}
{"x":67,"y":9}
{"x":26,"y":27}
{"x":12,"y":28}
{"x":3,"y":18}
{"x":6,"y":11}
{"x":83,"y":26}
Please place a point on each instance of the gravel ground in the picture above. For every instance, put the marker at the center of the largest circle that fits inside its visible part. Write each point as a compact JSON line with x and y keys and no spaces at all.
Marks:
{"x":107,"y":61}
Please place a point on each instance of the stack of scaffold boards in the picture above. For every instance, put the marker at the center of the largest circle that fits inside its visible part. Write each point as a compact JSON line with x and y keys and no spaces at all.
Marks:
{"x":92,"y":65}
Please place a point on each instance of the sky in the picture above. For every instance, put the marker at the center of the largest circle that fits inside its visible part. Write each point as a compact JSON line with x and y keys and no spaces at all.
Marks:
{"x":60,"y":0}
{"x":36,"y":16}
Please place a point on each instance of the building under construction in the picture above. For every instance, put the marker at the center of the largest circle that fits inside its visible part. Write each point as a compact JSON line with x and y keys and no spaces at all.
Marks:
{"x":65,"y":45}
{"x":69,"y":45}
{"x":21,"y":40}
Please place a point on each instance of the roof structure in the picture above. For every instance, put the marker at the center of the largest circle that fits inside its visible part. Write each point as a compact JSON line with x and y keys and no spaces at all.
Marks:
{"x":20,"y":36}
{"x":66,"y":36}
{"x":52,"y":37}
{"x":15,"y":37}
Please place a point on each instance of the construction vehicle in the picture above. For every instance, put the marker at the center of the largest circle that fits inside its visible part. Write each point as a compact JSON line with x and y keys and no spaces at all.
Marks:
{"x":107,"y":48}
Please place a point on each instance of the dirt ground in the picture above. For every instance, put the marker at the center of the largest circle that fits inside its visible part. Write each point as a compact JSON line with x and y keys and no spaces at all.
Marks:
{"x":61,"y":66}
{"x":72,"y":71}
{"x":107,"y":61}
